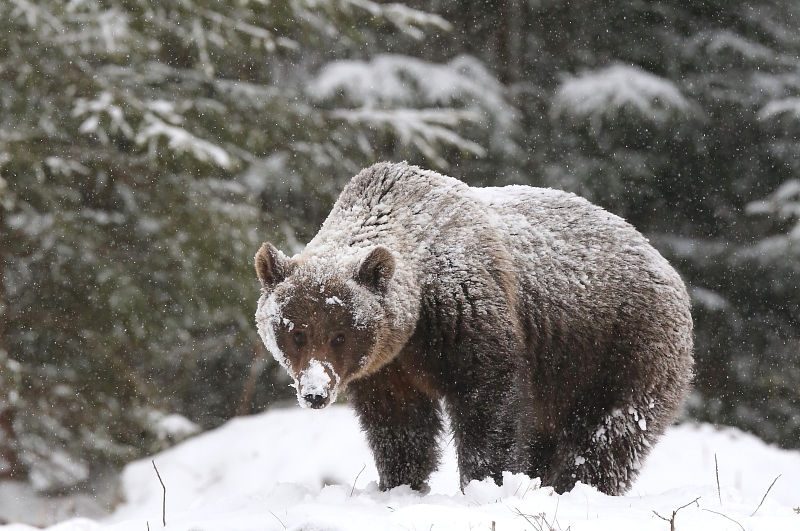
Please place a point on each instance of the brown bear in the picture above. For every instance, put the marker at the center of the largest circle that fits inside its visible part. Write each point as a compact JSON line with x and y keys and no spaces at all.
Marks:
{"x":556,"y":339}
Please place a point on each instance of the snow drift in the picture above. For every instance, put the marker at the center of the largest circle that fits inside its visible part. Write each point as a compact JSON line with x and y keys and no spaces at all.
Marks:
{"x":311,"y":470}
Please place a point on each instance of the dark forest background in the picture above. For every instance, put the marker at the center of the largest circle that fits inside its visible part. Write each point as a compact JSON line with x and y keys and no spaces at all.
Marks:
{"x":148,"y":147}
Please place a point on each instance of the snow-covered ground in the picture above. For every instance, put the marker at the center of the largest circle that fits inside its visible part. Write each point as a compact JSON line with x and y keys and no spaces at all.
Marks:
{"x":310,"y":470}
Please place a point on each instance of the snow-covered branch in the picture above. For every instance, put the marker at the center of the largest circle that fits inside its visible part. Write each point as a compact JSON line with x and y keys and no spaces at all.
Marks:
{"x":180,"y":140}
{"x":783,"y":202}
{"x":398,"y":91}
{"x":788,"y":107}
{"x":406,"y":19}
{"x":424,"y":129}
{"x":603,"y":95}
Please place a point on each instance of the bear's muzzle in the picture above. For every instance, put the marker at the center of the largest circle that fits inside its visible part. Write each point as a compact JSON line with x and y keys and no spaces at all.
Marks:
{"x":315,"y":401}
{"x":318,"y":385}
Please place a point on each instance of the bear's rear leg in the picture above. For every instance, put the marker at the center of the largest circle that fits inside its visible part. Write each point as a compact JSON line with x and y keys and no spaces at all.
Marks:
{"x":604,"y":449}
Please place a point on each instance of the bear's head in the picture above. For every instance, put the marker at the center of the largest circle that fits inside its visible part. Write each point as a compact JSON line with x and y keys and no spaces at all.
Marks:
{"x":326,"y":321}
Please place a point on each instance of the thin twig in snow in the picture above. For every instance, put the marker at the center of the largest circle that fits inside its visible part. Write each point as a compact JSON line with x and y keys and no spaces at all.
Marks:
{"x":555,"y":514}
{"x":278,"y":519}
{"x":675,"y":512}
{"x":164,"y":498}
{"x":525,"y":517}
{"x":539,"y":521}
{"x":587,"y":504}
{"x":354,"y":481}
{"x":726,"y":516}
{"x":528,"y":488}
{"x":716,"y":469}
{"x":765,"y":495}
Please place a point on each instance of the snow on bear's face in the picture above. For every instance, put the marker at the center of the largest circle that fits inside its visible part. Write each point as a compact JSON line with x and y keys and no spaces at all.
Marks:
{"x":321,"y":322}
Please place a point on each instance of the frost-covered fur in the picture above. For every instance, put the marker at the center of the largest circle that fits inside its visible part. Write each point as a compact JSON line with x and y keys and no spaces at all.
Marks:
{"x":554,"y":336}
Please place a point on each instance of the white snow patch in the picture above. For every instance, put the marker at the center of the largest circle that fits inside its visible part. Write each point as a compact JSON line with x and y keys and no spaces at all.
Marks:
{"x":173,"y":427}
{"x":600,"y":434}
{"x":708,"y":299}
{"x":334,"y":300}
{"x":267,"y":315}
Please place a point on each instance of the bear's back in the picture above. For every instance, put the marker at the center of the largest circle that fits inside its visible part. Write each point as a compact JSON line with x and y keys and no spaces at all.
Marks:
{"x":586,"y":262}
{"x":561,"y":229}
{"x":573,"y":260}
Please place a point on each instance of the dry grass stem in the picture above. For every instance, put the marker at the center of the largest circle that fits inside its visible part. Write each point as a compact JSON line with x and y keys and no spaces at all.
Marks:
{"x":675,"y":513}
{"x":765,"y":495}
{"x":278,"y":519}
{"x":163,"y":499}
{"x":354,"y":481}
{"x":725,"y":516}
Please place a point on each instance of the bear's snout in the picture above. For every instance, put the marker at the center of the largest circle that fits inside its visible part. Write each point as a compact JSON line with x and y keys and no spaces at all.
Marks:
{"x":315,"y":401}
{"x":318,"y":385}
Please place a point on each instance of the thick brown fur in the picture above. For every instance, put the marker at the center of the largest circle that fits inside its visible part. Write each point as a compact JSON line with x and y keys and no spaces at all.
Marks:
{"x":555,"y":338}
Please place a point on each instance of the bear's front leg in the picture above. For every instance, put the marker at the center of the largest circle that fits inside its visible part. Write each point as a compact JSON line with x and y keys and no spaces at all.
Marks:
{"x":402,"y":426}
{"x":483,"y":412}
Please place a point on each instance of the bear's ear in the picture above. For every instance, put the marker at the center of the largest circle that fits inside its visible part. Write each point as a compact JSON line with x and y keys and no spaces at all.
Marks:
{"x":376,"y":269}
{"x":272,"y":266}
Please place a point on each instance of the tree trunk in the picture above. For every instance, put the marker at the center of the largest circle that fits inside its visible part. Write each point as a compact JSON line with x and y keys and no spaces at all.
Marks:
{"x":509,"y":40}
{"x":249,"y":388}
{"x":11,"y":467}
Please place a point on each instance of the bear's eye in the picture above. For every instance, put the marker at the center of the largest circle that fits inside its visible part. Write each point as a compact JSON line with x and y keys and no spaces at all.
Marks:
{"x":338,"y":340}
{"x":300,"y":339}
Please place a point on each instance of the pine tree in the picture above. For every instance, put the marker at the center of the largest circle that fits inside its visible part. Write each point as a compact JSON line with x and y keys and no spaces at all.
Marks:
{"x":146,"y":149}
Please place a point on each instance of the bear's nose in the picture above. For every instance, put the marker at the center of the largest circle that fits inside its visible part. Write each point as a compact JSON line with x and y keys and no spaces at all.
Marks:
{"x":314,"y":401}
